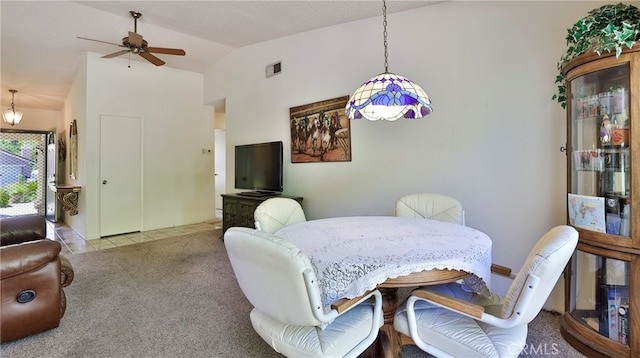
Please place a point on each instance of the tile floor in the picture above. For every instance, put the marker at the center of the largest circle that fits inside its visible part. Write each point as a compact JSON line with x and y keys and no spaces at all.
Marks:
{"x":72,"y":243}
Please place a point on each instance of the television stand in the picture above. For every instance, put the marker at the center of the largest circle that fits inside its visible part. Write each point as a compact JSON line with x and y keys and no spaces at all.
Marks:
{"x":237,"y":210}
{"x":259,"y":193}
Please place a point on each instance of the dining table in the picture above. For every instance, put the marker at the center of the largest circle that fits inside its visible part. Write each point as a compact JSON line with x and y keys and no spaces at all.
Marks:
{"x":356,"y":254}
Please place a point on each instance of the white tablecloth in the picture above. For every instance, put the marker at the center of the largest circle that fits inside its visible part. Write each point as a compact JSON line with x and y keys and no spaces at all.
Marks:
{"x":354,"y":254}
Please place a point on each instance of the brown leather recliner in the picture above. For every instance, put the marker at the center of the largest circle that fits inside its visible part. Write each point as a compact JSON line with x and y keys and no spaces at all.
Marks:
{"x":32,"y":276}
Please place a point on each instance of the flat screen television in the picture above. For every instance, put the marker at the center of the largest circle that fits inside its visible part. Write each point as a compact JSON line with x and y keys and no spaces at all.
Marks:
{"x":258,"y":168}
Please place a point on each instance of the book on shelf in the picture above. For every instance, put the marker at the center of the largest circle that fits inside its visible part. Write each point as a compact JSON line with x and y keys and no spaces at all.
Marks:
{"x":614,"y":309}
{"x":612,"y":314}
{"x":622,"y":304}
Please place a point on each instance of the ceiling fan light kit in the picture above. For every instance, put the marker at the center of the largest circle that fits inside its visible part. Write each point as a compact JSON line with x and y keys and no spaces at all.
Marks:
{"x":134,"y":43}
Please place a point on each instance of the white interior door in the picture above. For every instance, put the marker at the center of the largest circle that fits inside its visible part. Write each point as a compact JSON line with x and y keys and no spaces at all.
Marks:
{"x":220,"y":163}
{"x":120,"y":175}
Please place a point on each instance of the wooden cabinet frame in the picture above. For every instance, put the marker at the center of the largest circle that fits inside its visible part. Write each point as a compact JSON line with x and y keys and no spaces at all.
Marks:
{"x":580,"y":335}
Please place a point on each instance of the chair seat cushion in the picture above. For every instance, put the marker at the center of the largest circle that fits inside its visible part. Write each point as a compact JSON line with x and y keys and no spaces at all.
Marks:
{"x":336,"y":340}
{"x":462,"y":336}
{"x":459,"y":335}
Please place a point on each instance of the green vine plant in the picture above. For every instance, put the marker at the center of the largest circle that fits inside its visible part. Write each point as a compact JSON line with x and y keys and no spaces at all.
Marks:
{"x":608,"y":28}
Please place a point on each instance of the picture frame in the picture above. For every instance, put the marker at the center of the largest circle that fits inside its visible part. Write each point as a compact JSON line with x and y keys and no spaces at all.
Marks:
{"x":73,"y":150}
{"x":320,"y":132}
{"x":586,"y":212}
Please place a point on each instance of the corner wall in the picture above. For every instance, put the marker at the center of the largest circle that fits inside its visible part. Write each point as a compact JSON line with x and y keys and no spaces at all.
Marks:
{"x":177,"y":179}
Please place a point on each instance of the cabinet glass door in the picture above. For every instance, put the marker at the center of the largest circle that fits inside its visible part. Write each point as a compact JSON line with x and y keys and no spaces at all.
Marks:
{"x":599,"y":198}
{"x":600,"y":181}
{"x":601,"y":295}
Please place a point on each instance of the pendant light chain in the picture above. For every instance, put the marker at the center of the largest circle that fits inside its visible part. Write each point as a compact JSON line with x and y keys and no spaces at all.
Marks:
{"x":384,"y":34}
{"x":13,"y":106}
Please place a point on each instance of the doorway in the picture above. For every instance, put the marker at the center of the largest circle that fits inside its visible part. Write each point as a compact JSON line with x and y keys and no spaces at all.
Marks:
{"x":220,"y":153}
{"x":220,"y":168}
{"x":23,"y":169}
{"x":51,"y":205}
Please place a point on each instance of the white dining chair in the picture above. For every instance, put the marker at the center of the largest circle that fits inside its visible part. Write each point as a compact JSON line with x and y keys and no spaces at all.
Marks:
{"x":280,"y":282}
{"x":449,"y":321}
{"x":430,"y":206}
{"x":276,"y":213}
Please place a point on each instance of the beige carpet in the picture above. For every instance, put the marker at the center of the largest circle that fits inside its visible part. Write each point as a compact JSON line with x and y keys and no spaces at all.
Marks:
{"x":174,"y":297}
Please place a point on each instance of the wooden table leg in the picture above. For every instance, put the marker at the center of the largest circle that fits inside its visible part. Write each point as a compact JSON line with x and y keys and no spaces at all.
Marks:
{"x":388,"y":344}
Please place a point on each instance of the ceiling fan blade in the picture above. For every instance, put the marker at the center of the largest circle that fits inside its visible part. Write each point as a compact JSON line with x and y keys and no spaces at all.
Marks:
{"x":106,"y":42}
{"x":135,"y":39}
{"x":116,"y":54}
{"x":167,"y":51}
{"x":151,"y":58}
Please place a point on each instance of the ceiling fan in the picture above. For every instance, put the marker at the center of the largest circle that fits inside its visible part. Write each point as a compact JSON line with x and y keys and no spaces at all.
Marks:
{"x":136,"y":45}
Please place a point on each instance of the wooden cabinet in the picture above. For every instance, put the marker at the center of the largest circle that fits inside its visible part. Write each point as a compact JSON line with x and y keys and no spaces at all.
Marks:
{"x":602,"y":280}
{"x":237,"y":210}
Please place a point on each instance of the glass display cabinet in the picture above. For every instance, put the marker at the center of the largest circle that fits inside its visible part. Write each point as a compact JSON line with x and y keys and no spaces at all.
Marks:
{"x":602,"y":280}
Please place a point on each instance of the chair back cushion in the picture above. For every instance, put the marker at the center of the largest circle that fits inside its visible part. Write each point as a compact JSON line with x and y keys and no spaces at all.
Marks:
{"x":269,"y":271}
{"x":546,"y":260}
{"x":275,"y":213}
{"x":19,"y":229}
{"x":430,"y":206}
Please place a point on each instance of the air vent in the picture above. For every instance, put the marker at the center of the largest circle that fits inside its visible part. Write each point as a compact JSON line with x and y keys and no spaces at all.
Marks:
{"x":274,"y":69}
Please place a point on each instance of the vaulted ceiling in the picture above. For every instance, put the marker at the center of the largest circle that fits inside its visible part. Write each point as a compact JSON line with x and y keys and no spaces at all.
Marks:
{"x":41,"y":52}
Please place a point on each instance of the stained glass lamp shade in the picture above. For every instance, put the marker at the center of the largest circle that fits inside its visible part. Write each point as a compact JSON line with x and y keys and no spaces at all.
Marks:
{"x":388,"y":97}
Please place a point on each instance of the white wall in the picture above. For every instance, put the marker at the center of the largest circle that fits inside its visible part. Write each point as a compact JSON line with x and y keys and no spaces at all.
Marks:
{"x":75,"y":106}
{"x":178,"y":181}
{"x":492,"y":142}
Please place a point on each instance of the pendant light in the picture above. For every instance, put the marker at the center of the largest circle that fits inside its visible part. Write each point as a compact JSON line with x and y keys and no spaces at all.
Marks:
{"x":10,"y":115}
{"x":388,"y":96}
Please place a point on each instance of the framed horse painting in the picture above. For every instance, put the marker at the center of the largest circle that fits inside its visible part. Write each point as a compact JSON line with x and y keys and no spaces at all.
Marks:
{"x":320,"y":132}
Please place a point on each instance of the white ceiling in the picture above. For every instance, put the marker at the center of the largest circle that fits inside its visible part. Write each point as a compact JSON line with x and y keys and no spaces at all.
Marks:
{"x":41,"y":52}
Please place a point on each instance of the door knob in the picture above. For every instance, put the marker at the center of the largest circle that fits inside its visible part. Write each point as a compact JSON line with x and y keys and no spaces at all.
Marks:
{"x":104,"y":182}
